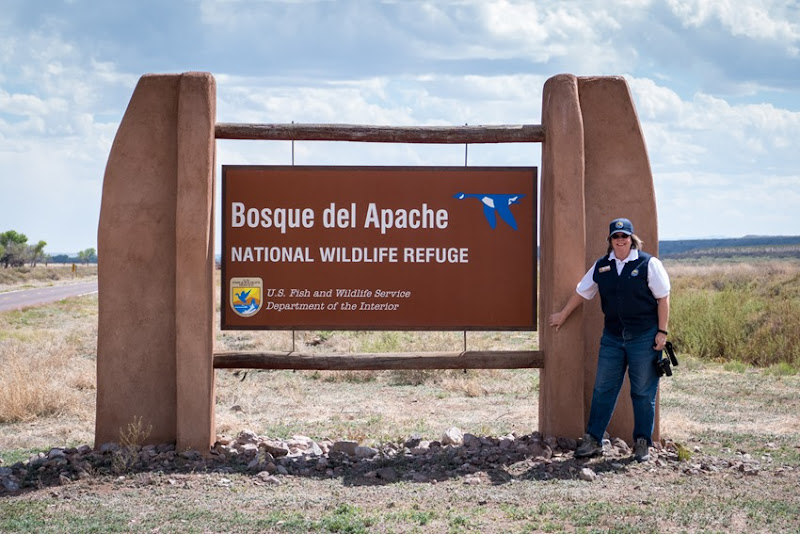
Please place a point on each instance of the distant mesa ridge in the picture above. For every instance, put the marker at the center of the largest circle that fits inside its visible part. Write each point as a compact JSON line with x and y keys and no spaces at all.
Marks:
{"x":751,"y":245}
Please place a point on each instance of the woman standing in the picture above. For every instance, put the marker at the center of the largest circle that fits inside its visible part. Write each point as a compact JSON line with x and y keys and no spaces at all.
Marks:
{"x":634,"y":293}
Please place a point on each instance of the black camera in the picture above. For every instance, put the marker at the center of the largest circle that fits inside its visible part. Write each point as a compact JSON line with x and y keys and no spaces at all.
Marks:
{"x":663,"y":365}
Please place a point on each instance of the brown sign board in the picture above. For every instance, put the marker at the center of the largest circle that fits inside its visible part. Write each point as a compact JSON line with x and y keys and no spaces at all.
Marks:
{"x":379,"y":248}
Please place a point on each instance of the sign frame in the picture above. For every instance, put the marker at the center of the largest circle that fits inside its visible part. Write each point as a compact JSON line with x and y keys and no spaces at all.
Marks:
{"x":502,"y":223}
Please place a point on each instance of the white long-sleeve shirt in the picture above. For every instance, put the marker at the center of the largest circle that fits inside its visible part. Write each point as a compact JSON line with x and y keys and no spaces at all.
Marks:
{"x":657,"y":278}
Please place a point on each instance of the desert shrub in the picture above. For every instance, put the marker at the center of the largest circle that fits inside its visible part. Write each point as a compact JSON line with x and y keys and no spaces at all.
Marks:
{"x":781,"y":369}
{"x":131,"y":440}
{"x":350,"y":377}
{"x":747,"y":313}
{"x":31,"y":382}
{"x":414,"y":377}
{"x":16,"y":277}
{"x":710,"y":324}
{"x":47,"y":360}
{"x":776,"y":337}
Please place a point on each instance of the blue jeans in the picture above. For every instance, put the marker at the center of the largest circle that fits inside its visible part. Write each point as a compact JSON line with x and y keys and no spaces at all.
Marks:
{"x":636,"y":353}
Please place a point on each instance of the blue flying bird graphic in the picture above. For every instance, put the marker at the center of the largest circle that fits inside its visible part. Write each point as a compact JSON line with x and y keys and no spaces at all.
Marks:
{"x":242,"y":295}
{"x":494,"y":205}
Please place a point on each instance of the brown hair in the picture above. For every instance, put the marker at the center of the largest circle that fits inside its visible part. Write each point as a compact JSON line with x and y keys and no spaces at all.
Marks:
{"x":636,"y":243}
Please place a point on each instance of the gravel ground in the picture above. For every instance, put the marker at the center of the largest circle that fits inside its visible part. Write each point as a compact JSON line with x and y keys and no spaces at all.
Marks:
{"x":461,"y":483}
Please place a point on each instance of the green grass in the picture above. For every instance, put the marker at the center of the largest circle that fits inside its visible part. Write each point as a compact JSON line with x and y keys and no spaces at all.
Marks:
{"x":745,"y":313}
{"x":348,"y":519}
{"x":736,"y":367}
{"x":12,"y":456}
{"x":782,"y":449}
{"x":42,"y":517}
{"x":781,"y":369}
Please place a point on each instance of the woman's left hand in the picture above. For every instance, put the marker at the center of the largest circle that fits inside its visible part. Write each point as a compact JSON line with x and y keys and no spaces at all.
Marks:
{"x":660,"y":341}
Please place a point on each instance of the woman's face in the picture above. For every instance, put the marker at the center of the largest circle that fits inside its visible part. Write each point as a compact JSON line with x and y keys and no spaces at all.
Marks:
{"x":621,"y":244}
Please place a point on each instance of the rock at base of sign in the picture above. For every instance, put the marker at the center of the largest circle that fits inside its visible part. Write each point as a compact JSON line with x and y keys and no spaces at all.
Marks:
{"x":453,"y":436}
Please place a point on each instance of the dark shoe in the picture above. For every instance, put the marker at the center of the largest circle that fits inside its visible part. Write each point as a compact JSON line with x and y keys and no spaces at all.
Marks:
{"x":588,"y":447}
{"x":641,"y":450}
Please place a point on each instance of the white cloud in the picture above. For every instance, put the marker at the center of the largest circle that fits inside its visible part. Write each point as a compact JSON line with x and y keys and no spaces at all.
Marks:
{"x":720,"y":168}
{"x":710,"y":131}
{"x":56,"y":132}
{"x":654,"y":101}
{"x":429,"y":99}
{"x":27,"y":105}
{"x":765,"y":19}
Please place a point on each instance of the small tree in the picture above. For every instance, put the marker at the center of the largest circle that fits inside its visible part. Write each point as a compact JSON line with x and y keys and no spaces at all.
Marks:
{"x":14,"y":248}
{"x":37,"y":252}
{"x":88,"y":255}
{"x":16,"y":255}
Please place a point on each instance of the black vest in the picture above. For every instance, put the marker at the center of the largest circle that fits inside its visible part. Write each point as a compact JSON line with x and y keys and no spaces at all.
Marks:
{"x":627,"y":301}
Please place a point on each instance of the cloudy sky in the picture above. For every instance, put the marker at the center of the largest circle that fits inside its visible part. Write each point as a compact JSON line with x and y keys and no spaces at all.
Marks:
{"x":715,"y":84}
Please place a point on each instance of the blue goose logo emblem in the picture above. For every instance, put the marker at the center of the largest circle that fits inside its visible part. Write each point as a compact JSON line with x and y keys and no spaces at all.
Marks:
{"x":494,"y":205}
{"x":246,"y":296}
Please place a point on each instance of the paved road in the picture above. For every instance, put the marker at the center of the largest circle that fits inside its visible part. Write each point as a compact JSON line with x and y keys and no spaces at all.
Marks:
{"x":25,"y":298}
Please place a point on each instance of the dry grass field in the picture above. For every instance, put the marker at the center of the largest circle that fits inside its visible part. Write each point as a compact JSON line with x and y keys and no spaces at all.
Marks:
{"x":45,"y":275}
{"x":736,"y":427}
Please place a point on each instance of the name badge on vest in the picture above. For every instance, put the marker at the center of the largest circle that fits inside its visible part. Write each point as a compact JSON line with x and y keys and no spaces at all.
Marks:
{"x":635,"y":272}
{"x":604,"y":269}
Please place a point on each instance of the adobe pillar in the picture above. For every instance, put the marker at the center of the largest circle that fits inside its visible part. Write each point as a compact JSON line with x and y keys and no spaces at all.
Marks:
{"x":619,"y":182}
{"x":156,"y":265}
{"x":595,"y":168}
{"x":562,"y":238}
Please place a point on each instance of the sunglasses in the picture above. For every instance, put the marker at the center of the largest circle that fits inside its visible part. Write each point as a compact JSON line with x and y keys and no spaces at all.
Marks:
{"x":619,"y":236}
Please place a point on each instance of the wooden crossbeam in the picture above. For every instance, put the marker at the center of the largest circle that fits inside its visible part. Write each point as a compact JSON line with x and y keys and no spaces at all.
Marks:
{"x":380,"y":361}
{"x":522,"y":133}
